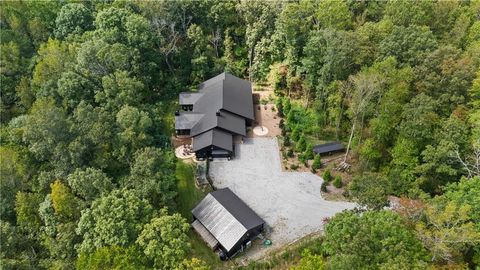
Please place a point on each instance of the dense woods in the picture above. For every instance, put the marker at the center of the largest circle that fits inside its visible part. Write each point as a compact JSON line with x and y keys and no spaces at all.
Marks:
{"x":88,"y":91}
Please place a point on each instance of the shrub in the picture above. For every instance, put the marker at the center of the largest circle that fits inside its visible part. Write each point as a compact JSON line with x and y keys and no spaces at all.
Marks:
{"x":286,"y":141}
{"x":295,"y":134}
{"x":327,"y":176}
{"x":323,"y":187}
{"x":286,"y":105}
{"x":317,"y":162}
{"x":301,"y":144}
{"x":279,"y":105}
{"x":284,"y":132}
{"x":290,"y":117}
{"x":281,"y":124}
{"x":290,"y":153}
{"x":337,"y":182}
{"x":294,"y":167}
{"x":302,"y":159}
{"x":308,"y":151}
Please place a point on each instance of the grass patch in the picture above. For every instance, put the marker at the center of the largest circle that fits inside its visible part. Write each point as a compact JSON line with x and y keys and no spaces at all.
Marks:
{"x":188,"y":196}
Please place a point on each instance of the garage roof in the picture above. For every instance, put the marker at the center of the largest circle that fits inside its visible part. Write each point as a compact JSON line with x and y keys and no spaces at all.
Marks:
{"x":226,"y":217}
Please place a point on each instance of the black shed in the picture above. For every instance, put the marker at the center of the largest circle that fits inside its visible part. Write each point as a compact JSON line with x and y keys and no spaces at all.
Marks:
{"x":328,"y":148}
{"x":225,"y":222}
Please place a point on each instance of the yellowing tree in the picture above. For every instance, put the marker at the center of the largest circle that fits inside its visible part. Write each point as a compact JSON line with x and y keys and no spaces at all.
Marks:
{"x":448,"y":231}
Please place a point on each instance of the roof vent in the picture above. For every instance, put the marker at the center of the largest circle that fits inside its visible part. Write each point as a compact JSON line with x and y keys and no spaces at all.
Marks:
{"x":177,"y":113}
{"x":218,"y":113}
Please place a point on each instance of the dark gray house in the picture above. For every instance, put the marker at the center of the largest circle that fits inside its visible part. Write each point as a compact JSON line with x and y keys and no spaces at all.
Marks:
{"x":221,"y":109}
{"x":226,"y":223}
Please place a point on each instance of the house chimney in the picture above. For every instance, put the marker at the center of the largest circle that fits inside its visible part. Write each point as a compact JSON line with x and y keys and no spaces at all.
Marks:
{"x":218,"y":113}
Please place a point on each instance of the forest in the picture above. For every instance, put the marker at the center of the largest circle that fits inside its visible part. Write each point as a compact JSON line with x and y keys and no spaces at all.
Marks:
{"x":88,"y":178}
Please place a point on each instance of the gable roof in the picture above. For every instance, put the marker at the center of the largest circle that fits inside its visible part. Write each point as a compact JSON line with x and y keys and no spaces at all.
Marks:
{"x":187,"y":120}
{"x":223,"y":101}
{"x":189,"y":98}
{"x":214,"y":137}
{"x":226,"y":217}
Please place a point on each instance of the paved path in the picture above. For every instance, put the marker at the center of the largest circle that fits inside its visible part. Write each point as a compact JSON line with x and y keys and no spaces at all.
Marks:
{"x":290,"y":202}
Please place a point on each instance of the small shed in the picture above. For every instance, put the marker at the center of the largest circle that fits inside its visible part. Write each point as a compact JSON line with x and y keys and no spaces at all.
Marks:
{"x":328,"y":148}
{"x":226,"y":223}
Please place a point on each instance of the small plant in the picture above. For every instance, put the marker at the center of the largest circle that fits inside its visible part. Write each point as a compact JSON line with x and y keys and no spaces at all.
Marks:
{"x":337,"y":182}
{"x":263,"y":101}
{"x":284,"y":132}
{"x":273,"y":109}
{"x":281,"y":124}
{"x":301,"y":144}
{"x":286,"y":106}
{"x":327,"y":176}
{"x":317,"y":162}
{"x":294,"y":167}
{"x":323,"y":187}
{"x":286,"y":141}
{"x":308,"y":153}
{"x":302,"y":159}
{"x":295,"y":134}
{"x":290,"y":152}
{"x":279,"y":105}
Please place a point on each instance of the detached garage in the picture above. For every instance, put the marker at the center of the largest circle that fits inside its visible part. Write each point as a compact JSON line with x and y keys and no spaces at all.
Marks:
{"x":226,"y":223}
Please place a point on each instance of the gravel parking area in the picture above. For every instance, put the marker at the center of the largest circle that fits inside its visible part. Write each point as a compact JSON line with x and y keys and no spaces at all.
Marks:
{"x":290,"y":202}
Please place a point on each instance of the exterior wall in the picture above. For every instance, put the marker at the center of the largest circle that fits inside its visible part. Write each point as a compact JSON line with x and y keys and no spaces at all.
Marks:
{"x":248,"y":236}
{"x":207,"y":152}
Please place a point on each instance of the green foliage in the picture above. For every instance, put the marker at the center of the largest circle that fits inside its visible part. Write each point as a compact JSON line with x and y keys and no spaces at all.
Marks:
{"x":333,"y":14}
{"x":26,"y":207}
{"x":337,"y":181}
{"x":310,"y":262}
{"x":89,"y":183}
{"x":114,"y":220}
{"x":327,"y":175}
{"x":308,"y":153}
{"x":301,"y":144}
{"x":323,"y":187}
{"x":448,"y":231}
{"x":65,"y":204}
{"x":89,"y":90}
{"x":372,"y":240}
{"x":408,"y":44}
{"x":113,"y":257}
{"x":13,"y":172}
{"x":164,"y":240}
{"x":317,"y":162}
{"x":152,"y":176}
{"x":371,"y":190}
{"x":72,"y":19}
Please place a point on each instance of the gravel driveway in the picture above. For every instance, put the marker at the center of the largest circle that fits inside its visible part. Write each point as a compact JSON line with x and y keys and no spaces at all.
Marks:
{"x":290,"y":202}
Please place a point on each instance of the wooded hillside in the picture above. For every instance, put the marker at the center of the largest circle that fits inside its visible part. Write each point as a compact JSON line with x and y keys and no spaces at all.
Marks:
{"x":88,"y":94}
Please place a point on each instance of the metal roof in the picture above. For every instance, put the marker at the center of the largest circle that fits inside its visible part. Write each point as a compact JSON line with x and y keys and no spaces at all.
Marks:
{"x":214,"y":137}
{"x":187,"y":120}
{"x":328,"y":147}
{"x":226,"y":217}
{"x":223,"y":101}
{"x":189,"y":98}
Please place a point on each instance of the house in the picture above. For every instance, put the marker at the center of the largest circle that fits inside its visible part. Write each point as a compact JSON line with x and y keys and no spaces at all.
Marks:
{"x":221,"y":109}
{"x":328,"y":148}
{"x":226,"y":223}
